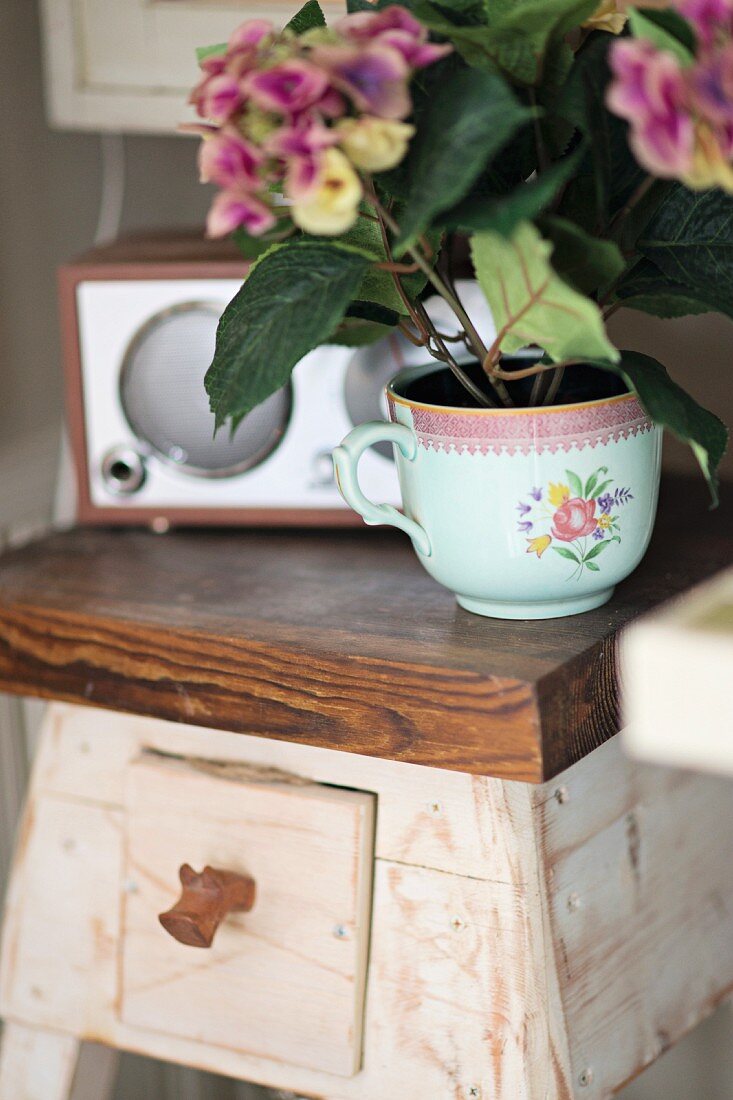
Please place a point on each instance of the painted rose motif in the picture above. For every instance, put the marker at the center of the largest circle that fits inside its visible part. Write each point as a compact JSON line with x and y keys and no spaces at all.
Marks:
{"x":574,"y":520}
{"x":582,"y":516}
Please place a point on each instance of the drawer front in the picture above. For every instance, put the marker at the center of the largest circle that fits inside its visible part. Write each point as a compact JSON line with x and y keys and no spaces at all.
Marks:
{"x":285,"y":980}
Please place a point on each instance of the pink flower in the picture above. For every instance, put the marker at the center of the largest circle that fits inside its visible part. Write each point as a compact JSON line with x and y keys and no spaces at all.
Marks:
{"x":300,"y":139}
{"x":396,"y":27}
{"x":711,"y":86}
{"x":708,"y":17}
{"x":649,"y":89}
{"x":287,"y":88}
{"x":232,"y":210}
{"x":217,"y":97}
{"x":250,"y":34}
{"x":374,"y":77}
{"x":574,"y":519}
{"x":229,"y":161}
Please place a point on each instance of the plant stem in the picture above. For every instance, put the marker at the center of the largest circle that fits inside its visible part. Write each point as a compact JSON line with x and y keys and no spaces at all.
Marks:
{"x":477,"y":345}
{"x":554,"y":386}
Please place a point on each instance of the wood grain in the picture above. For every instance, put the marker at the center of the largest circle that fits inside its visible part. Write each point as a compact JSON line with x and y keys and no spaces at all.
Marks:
{"x":336,"y":639}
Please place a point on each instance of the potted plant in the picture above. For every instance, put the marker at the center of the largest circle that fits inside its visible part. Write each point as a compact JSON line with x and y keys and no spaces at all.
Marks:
{"x":584,"y":154}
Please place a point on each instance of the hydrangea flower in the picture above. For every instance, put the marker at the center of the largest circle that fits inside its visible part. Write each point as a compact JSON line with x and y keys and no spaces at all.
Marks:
{"x":303,"y":116}
{"x":681,"y":115}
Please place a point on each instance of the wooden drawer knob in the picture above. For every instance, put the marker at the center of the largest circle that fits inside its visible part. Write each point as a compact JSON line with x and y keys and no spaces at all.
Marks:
{"x":204,"y":902}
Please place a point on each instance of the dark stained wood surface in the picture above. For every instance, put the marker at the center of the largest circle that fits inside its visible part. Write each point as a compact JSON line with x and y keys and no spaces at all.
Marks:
{"x":334,"y":638}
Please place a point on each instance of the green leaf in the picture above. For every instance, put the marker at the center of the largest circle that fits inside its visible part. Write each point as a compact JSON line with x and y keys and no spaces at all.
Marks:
{"x":610,"y":168}
{"x":596,"y":550}
{"x":531,"y":303}
{"x":565,"y":553}
{"x":649,"y":290}
{"x":690,"y":239}
{"x":293,"y":300}
{"x":202,"y":52}
{"x":503,"y":213}
{"x":309,"y":16}
{"x":575,"y":483}
{"x":593,"y":481}
{"x":466,"y":122}
{"x":669,"y":406}
{"x":592,"y":565}
{"x":518,"y":33}
{"x":587,"y":263}
{"x":644,"y":25}
{"x":600,"y":489}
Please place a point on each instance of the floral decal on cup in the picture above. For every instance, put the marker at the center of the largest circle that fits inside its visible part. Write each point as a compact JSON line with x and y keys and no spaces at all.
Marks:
{"x":577,"y":521}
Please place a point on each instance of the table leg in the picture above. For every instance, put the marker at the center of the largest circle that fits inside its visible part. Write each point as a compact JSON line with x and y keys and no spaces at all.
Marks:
{"x":36,"y":1064}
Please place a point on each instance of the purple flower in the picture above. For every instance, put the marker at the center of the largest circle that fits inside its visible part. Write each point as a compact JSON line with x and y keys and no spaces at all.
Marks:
{"x":374,"y":77}
{"x":287,"y":88}
{"x":232,"y":210}
{"x":536,"y":494}
{"x":526,"y":526}
{"x":598,"y":534}
{"x":523,"y":508}
{"x":605,"y":502}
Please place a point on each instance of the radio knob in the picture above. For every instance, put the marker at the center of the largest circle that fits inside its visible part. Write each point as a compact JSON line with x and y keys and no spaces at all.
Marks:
{"x":123,"y":471}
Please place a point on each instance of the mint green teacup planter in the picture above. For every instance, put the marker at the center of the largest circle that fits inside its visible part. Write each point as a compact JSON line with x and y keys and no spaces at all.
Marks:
{"x":527,"y":513}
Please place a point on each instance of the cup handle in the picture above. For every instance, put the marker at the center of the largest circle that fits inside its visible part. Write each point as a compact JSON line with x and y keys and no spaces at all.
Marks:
{"x":346,"y":461}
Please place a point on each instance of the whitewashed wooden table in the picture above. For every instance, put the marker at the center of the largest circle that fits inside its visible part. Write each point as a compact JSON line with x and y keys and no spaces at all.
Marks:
{"x":463,"y":887}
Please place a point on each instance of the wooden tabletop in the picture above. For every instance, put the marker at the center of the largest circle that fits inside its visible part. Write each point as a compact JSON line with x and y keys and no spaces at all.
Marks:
{"x":336,"y":639}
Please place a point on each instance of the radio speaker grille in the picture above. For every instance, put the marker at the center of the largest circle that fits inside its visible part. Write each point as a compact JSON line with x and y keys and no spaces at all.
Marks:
{"x":163,"y":397}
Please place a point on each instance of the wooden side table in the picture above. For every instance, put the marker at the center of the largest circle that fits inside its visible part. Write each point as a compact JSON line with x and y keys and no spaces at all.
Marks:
{"x":424,"y":865}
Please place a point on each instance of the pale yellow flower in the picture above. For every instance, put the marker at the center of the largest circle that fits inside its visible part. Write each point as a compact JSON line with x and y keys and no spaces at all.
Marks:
{"x":558,"y":494}
{"x":333,"y":206}
{"x":374,"y":144}
{"x":604,"y":521}
{"x":608,"y":16}
{"x":710,"y":168}
{"x":538,"y":545}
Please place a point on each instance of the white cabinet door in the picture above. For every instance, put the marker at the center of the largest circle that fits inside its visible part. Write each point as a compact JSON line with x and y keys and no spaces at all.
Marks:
{"x":129,"y":64}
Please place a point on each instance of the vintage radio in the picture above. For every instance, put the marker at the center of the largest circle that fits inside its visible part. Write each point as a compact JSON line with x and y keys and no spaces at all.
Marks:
{"x":139,"y":320}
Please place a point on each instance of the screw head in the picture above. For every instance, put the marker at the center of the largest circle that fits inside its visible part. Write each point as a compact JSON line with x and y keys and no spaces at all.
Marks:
{"x":457,"y":924}
{"x":562,"y":795}
{"x":340,"y":932}
{"x":574,"y":902}
{"x":435,"y":808}
{"x":585,"y":1077}
{"x":474,"y":1091}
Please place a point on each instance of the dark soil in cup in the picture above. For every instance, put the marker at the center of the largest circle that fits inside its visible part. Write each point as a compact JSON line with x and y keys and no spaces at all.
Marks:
{"x":579,"y":383}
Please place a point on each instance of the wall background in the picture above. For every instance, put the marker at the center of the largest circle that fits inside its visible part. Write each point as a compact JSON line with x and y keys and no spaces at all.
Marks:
{"x":49,"y":198}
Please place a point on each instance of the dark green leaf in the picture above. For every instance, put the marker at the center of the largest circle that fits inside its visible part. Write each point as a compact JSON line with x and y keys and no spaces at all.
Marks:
{"x":674,"y":24}
{"x":593,"y":481}
{"x":669,"y":406}
{"x":309,"y":16}
{"x":565,"y":553}
{"x":254,"y":247}
{"x":690,"y":238}
{"x":293,"y":300}
{"x":649,"y":290}
{"x":503,"y":213}
{"x":468,"y":121}
{"x":587,"y":262}
{"x":665,"y":33}
{"x":610,"y":164}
